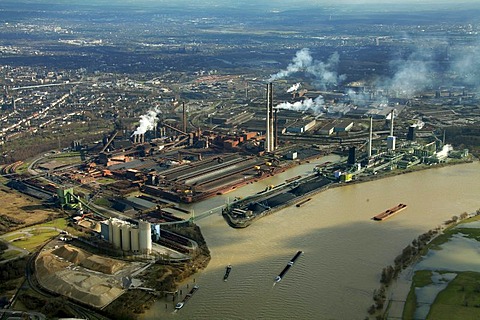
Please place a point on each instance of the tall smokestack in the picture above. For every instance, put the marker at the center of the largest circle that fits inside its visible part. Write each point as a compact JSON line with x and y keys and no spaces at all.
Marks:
{"x":184,"y":128}
{"x":392,"y":115}
{"x":269,"y":134}
{"x":370,"y":138}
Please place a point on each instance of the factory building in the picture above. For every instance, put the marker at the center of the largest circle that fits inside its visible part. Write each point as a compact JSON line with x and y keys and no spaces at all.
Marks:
{"x":343,"y":126}
{"x":301,"y":126}
{"x":327,"y":129}
{"x":126,"y":236}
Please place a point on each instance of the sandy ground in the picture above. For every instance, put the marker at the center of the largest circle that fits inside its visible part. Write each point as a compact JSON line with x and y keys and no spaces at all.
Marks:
{"x":75,"y":273}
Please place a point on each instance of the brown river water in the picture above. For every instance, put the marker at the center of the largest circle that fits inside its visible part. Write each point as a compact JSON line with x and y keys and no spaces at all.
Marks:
{"x":344,"y":249}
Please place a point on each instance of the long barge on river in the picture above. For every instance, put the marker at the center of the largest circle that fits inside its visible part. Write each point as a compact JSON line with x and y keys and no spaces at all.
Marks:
{"x":389,"y":212}
{"x":288,"y":266}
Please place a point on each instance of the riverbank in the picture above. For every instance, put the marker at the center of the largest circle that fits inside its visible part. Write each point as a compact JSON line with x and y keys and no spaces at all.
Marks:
{"x":400,"y":281}
{"x":239,"y":215}
{"x":345,"y":250}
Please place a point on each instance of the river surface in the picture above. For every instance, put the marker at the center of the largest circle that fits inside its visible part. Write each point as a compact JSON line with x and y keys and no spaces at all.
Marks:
{"x":344,"y":250}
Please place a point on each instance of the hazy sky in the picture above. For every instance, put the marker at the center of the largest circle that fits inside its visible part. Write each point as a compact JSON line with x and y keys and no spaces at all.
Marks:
{"x":289,"y":3}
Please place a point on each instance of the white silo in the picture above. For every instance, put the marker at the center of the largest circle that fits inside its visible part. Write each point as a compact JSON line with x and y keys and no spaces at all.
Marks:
{"x":145,"y":236}
{"x":116,"y":234}
{"x":110,"y":230}
{"x":126,"y":237}
{"x":134,"y":239}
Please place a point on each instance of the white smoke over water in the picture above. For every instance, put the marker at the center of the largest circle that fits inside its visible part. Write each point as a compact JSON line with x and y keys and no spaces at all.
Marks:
{"x":294,"y":87}
{"x":324,"y":72}
{"x":147,"y":121}
{"x":316,"y":105}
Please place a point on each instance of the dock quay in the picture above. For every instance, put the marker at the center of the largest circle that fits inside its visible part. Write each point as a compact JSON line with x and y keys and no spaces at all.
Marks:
{"x":242,"y":213}
{"x":182,"y":303}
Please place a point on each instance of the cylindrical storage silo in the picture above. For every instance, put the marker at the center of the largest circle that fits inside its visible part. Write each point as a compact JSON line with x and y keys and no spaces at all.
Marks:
{"x":145,"y":237}
{"x":126,"y":237}
{"x":110,"y":230}
{"x":134,"y":239}
{"x":116,"y":235}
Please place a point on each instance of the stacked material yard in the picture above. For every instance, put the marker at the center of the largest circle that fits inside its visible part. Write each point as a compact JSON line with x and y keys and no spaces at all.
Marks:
{"x":80,"y":275}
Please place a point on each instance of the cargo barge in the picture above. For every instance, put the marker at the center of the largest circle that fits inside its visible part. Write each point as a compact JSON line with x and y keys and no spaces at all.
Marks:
{"x":389,"y":212}
{"x":227,"y":272}
{"x":287,"y":267}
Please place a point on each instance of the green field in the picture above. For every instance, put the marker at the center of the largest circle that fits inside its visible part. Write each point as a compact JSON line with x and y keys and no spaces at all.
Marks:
{"x":461,"y":299}
{"x":9,"y":254}
{"x":31,"y":237}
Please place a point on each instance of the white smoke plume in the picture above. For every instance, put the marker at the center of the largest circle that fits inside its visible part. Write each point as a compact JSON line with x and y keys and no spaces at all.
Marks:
{"x":300,"y":62}
{"x":294,"y":87}
{"x":324,"y":72}
{"x":412,"y":75}
{"x":316,"y":105}
{"x":147,"y":121}
{"x":466,"y":64}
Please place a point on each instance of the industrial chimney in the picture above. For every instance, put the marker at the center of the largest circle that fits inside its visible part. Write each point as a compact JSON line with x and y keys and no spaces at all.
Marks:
{"x":270,"y":141}
{"x":370,"y":137}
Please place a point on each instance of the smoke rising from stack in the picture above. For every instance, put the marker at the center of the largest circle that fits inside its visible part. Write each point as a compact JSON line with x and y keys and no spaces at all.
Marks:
{"x":324,"y":73}
{"x":295,"y":87}
{"x":147,"y":121}
{"x":316,"y":105}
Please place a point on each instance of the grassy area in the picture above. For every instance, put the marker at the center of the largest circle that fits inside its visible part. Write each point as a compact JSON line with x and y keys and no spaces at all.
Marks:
{"x":420,"y":279}
{"x":60,"y":223}
{"x":105,"y":180}
{"x":32,"y":237}
{"x":10,"y":254}
{"x":473,"y":233}
{"x":39,"y":238}
{"x":460,"y":300}
{"x":103,"y":202}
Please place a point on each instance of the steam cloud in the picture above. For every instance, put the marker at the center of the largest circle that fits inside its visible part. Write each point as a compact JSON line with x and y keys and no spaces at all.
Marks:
{"x":316,"y":105}
{"x":466,"y":64}
{"x":324,"y":72}
{"x":147,"y":121}
{"x":294,"y":87}
{"x":412,"y":75}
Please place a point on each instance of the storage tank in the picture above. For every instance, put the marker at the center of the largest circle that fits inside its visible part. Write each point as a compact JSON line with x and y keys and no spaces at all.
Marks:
{"x":116,"y":234}
{"x":126,"y":237}
{"x":145,"y":237}
{"x":391,"y":142}
{"x":134,"y":239}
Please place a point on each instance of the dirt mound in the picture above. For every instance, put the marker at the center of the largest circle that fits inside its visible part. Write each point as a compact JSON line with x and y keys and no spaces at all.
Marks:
{"x":87,"y":260}
{"x":94,"y":284}
{"x":101,"y":264}
{"x":69,"y":253}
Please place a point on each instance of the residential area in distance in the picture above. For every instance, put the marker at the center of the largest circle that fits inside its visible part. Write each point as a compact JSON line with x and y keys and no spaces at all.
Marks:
{"x":125,"y":128}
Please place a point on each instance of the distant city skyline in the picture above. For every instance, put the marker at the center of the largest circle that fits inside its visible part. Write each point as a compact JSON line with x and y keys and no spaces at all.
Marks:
{"x":249,"y":3}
